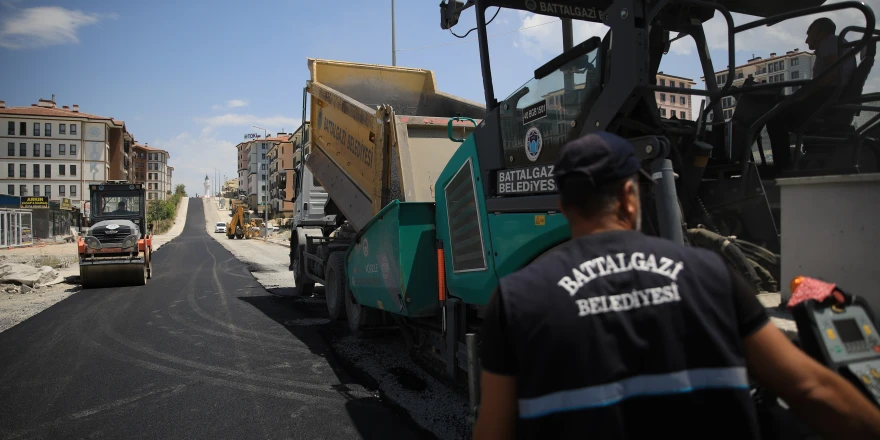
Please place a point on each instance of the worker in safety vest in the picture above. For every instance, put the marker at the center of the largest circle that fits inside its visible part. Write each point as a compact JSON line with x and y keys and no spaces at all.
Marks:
{"x":620,"y":335}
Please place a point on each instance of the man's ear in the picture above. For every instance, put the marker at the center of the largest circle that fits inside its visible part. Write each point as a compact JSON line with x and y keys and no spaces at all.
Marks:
{"x":629,"y":199}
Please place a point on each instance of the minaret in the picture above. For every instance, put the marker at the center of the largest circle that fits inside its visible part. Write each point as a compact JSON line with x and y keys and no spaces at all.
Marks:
{"x":207,"y":186}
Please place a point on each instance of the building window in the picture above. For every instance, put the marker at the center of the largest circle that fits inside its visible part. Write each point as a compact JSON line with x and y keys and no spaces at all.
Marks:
{"x":36,"y":190}
{"x":22,"y":150}
{"x":682,"y":100}
{"x":36,"y":150}
{"x":72,"y":172}
{"x":72,"y":131}
{"x":22,"y":128}
{"x":22,"y":190}
{"x":36,"y":171}
{"x":48,"y":148}
{"x":11,"y":151}
{"x":62,"y":170}
{"x":662,"y":97}
{"x":73,"y":190}
{"x":48,"y":169}
{"x":48,"y":189}
{"x":663,"y":112}
{"x":36,"y":128}
{"x":72,"y":147}
{"x":11,"y":128}
{"x":672,"y":99}
{"x":48,"y":129}
{"x":10,"y":190}
{"x":10,"y":170}
{"x":795,"y":74}
{"x":62,"y":150}
{"x":795,"y":61}
{"x":61,"y":190}
{"x":62,"y":129}
{"x":662,"y":82}
{"x":22,"y":170}
{"x":681,"y":115}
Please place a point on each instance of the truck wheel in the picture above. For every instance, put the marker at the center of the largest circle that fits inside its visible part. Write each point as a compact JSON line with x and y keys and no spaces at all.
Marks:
{"x":334,"y":289}
{"x":304,"y":284}
{"x":359,"y":316}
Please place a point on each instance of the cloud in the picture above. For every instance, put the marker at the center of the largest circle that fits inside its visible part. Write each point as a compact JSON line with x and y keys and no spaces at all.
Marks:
{"x":542,"y":40}
{"x":271,"y":123}
{"x":194,"y":156}
{"x":196,"y":153}
{"x":45,"y":26}
{"x":232,"y":103}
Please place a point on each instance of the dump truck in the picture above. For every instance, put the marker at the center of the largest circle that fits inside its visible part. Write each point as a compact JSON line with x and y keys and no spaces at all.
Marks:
{"x":117,"y":248}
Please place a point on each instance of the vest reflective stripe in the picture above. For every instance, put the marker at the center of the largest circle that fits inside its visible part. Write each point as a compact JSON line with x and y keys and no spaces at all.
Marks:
{"x":684,"y":381}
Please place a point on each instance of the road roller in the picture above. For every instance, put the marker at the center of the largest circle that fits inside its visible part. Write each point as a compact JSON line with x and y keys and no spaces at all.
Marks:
{"x":117,"y":249}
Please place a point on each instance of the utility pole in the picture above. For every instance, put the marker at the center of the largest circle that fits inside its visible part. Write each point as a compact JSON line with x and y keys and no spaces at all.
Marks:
{"x":393,"y":42}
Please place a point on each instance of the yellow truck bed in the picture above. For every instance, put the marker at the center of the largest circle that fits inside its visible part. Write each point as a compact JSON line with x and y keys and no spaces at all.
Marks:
{"x":380,"y":134}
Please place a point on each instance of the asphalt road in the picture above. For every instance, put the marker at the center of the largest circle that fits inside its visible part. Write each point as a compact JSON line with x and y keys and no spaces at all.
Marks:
{"x":201,"y":351}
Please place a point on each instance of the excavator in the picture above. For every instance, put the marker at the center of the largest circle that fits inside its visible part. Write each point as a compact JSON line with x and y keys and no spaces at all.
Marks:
{"x":241,"y":225}
{"x":716,"y":186}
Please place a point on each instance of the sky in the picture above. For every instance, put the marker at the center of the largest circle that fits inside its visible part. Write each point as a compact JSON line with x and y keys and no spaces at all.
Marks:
{"x":193,"y":77}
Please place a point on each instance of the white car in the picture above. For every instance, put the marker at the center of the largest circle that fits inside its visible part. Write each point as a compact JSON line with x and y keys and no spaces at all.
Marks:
{"x":220,"y":227}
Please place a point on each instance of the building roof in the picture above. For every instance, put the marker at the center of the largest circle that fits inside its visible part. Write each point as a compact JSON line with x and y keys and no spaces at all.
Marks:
{"x":54,"y":113}
{"x":676,"y":77}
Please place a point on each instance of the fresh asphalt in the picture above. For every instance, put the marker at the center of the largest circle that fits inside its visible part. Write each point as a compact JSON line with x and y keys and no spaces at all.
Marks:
{"x":201,"y":351}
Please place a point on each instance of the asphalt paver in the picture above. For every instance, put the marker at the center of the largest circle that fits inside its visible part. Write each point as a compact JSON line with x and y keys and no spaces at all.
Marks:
{"x":201,"y":351}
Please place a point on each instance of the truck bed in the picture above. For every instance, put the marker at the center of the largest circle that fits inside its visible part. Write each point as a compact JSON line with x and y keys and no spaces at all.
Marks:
{"x":380,"y":134}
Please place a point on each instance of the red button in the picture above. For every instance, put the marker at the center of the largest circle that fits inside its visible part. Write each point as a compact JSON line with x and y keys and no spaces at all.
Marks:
{"x":877,"y":348}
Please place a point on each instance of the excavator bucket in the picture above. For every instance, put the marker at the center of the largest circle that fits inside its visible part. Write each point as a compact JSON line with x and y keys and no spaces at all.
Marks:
{"x":113,"y":273}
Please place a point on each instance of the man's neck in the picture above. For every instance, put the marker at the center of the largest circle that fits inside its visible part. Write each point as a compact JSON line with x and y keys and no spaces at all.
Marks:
{"x":584,"y":228}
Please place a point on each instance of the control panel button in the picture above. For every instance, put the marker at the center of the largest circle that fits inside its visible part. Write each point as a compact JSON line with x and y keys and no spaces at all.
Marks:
{"x":830,"y":333}
{"x":875,"y":373}
{"x":866,"y":379}
{"x":867,"y":330}
{"x":876,"y":348}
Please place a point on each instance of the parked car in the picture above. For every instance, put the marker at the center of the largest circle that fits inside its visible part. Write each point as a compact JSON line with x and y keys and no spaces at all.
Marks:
{"x":220,"y":227}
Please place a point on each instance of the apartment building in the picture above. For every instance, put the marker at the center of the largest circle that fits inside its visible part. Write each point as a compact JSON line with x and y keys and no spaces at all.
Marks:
{"x":281,"y":174}
{"x":58,"y":152}
{"x":673,"y":105}
{"x":169,"y":185}
{"x":138,"y":163}
{"x":241,"y":186}
{"x":157,"y":173}
{"x":792,"y":65}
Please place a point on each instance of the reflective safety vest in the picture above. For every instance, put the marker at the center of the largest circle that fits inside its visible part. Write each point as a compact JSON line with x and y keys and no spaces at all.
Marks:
{"x":622,"y":335}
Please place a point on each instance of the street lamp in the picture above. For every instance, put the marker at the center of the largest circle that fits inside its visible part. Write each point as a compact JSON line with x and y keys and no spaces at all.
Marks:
{"x":265,"y":192}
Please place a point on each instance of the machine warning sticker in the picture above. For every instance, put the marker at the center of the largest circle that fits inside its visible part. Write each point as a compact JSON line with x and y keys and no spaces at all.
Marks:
{"x":528,"y":180}
{"x":534,"y":143}
{"x":534,"y":112}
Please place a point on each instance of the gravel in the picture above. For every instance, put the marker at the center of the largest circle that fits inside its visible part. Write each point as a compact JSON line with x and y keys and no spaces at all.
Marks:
{"x":431,"y":404}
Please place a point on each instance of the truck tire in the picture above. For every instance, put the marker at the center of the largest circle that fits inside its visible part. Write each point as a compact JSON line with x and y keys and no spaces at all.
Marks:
{"x":334,"y":287}
{"x":304,"y":285}
{"x":359,"y":316}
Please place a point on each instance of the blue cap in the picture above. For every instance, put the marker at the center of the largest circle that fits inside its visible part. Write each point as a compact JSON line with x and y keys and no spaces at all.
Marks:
{"x":596,"y":159}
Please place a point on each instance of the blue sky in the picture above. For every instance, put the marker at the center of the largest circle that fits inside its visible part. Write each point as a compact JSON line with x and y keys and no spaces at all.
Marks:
{"x":192,"y":77}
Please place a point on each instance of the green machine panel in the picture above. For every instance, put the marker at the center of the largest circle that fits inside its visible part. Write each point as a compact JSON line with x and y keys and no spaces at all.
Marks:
{"x":393,"y":264}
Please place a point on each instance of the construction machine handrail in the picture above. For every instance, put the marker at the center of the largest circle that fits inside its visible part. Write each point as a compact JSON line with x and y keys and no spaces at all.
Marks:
{"x":731,"y":47}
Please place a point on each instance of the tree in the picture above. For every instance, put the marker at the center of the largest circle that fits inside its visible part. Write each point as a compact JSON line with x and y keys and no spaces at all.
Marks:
{"x":180,"y":189}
